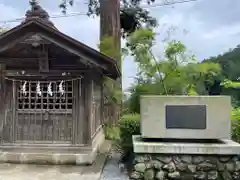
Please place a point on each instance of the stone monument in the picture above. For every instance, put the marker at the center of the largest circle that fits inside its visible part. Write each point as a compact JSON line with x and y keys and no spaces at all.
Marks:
{"x":186,"y":137}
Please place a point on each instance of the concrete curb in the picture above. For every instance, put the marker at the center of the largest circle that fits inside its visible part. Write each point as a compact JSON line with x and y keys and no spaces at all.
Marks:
{"x":106,"y":156}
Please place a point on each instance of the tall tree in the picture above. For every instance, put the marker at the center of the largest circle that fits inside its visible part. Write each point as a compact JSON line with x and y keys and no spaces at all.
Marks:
{"x":229,"y":62}
{"x":176,"y":73}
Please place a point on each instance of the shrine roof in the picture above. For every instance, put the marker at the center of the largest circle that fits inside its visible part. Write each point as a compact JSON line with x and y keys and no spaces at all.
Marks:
{"x":37,"y":22}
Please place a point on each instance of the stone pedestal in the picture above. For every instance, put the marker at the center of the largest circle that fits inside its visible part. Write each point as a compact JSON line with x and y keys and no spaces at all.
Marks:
{"x":186,"y":161}
{"x":212,"y":122}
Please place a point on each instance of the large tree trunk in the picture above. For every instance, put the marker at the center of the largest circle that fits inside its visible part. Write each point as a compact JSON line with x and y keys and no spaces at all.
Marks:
{"x":110,"y":22}
{"x":110,"y":27}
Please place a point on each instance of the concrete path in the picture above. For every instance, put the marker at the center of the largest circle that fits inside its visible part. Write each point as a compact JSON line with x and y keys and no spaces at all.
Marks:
{"x":51,"y":172}
{"x":111,"y":170}
{"x":44,"y":172}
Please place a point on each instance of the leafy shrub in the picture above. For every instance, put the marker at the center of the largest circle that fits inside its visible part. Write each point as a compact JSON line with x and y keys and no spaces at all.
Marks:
{"x":112,"y":133}
{"x":235,"y":117}
{"x":128,"y":125}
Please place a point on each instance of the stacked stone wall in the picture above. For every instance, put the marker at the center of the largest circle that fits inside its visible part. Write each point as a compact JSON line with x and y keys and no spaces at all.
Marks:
{"x":185,"y":167}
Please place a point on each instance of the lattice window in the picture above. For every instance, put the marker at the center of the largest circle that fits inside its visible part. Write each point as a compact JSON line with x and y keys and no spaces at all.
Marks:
{"x":55,"y":100}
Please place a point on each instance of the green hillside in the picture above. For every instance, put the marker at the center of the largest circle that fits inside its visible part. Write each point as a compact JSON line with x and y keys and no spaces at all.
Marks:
{"x":230,"y":63}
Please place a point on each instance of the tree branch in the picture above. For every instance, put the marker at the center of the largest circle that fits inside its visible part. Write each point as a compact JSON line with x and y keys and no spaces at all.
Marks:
{"x":159,"y":72}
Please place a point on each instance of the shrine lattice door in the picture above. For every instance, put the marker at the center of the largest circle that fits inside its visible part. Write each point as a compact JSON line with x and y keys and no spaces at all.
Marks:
{"x":44,"y":117}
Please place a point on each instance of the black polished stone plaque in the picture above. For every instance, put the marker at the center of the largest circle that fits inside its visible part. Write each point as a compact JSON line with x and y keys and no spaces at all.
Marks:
{"x":186,"y":116}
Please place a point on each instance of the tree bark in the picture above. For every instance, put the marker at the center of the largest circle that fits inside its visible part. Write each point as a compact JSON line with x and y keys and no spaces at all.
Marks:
{"x":110,"y":27}
{"x":110,"y":22}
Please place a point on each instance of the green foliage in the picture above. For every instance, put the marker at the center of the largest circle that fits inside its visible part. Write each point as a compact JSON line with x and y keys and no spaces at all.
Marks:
{"x":132,"y":16}
{"x":112,"y":133}
{"x":235,"y":117}
{"x":230,"y":84}
{"x":112,"y":91}
{"x":137,"y":91}
{"x":128,"y":125}
{"x":106,"y":47}
{"x":229,"y":62}
{"x":176,"y":73}
{"x":202,"y":76}
{"x":231,"y":88}
{"x":174,"y":49}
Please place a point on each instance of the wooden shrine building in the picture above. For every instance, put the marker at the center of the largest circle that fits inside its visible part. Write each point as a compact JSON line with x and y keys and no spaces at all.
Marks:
{"x":51,"y":93}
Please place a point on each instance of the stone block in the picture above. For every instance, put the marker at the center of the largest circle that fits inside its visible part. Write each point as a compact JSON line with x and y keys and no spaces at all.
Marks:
{"x":67,"y":159}
{"x":155,"y":122}
{"x":42,"y":155}
{"x":12,"y":157}
{"x":37,"y":158}
{"x":84,"y":159}
{"x":3,"y":156}
{"x":227,"y":147}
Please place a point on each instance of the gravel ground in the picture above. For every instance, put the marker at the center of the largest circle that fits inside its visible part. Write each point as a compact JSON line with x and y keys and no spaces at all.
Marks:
{"x":112,"y":171}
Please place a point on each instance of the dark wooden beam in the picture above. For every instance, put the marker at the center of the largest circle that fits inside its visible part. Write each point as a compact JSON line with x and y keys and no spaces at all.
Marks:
{"x":14,"y":42}
{"x":53,"y":60}
{"x":2,"y":59}
{"x":53,"y":73}
{"x":54,"y":63}
{"x":43,"y":60}
{"x":84,"y":58}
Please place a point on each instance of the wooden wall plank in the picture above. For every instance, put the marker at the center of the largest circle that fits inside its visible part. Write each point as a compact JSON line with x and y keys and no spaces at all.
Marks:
{"x":88,"y":92}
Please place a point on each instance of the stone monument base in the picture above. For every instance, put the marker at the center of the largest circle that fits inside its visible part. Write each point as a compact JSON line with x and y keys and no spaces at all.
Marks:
{"x":186,"y":161}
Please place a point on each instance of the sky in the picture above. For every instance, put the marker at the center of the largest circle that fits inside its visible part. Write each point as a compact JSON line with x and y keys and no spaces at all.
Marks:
{"x":206,"y":27}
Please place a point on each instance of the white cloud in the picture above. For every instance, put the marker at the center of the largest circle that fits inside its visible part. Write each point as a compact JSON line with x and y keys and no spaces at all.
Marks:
{"x":172,"y":18}
{"x":8,"y":12}
{"x":81,"y":28}
{"x":224,"y":31}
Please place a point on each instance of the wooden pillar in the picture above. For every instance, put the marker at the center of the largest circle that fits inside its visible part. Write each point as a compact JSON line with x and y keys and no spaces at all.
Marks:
{"x":88,"y":95}
{"x":75,"y":114}
{"x":102,"y":102}
{"x":14,"y":106}
{"x":2,"y":93}
{"x":2,"y":77}
{"x":2,"y":85}
{"x":79,"y":113}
